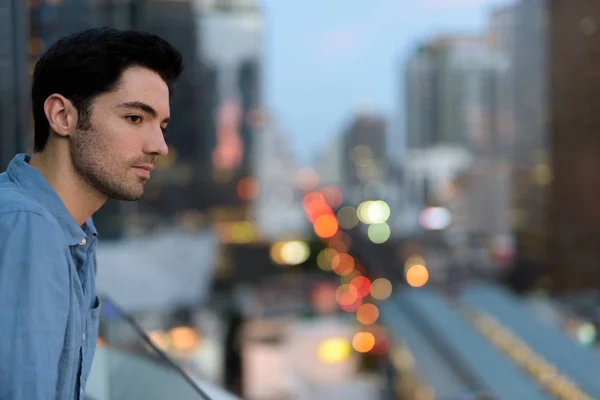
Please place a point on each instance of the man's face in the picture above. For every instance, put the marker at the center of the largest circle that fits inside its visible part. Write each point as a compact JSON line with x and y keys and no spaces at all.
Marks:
{"x":115,"y":150}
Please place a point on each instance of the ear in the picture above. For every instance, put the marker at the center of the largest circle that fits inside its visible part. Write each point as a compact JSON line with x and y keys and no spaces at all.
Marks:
{"x":61,"y":114}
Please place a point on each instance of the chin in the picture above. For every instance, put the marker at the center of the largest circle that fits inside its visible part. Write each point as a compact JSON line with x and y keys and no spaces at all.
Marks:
{"x":129,"y":195}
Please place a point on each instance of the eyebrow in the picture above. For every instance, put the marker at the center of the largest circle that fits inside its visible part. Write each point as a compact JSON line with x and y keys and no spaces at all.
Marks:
{"x":139,"y":105}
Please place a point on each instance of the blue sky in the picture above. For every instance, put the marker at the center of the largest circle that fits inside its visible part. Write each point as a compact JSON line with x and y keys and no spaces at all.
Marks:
{"x":323,"y":58}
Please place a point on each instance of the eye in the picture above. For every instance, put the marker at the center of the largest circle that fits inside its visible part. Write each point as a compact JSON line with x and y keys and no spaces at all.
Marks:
{"x":134,"y":119}
{"x":164,"y":129}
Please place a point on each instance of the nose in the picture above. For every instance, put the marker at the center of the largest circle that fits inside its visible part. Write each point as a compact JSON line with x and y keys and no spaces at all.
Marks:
{"x":156,"y":144}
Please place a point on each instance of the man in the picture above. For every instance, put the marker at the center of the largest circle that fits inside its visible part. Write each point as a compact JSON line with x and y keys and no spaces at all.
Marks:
{"x":100,"y":103}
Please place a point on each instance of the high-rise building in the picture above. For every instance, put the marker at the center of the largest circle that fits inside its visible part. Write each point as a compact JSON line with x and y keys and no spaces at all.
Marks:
{"x":14,"y":82}
{"x":277,"y":209}
{"x":451,"y":86}
{"x":421,"y":88}
{"x":501,"y":41}
{"x":364,"y":156}
{"x":556,"y":185}
{"x":231,"y":48}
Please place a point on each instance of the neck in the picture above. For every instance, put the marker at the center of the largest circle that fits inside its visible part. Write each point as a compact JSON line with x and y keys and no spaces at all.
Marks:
{"x":80,"y":199}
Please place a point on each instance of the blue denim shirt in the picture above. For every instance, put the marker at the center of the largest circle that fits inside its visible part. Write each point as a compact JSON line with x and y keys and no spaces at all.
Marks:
{"x":48,"y":303}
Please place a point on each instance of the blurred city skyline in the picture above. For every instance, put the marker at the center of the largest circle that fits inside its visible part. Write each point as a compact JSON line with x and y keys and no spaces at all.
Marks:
{"x":313,"y":96}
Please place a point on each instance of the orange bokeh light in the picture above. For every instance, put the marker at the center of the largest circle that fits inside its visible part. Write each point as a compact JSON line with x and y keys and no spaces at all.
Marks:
{"x":363,"y":342}
{"x":417,"y":275}
{"x":342,"y":264}
{"x":314,"y":205}
{"x":326,"y":226}
{"x":367,"y":314}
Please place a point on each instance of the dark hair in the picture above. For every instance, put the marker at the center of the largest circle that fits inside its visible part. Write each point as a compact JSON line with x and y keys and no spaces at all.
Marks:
{"x":88,"y":63}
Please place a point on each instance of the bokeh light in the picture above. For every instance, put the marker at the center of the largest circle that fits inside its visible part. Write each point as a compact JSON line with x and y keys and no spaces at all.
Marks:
{"x":159,"y":339}
{"x":417,"y":275}
{"x":242,"y":232}
{"x":326,"y":226}
{"x":334,"y":350}
{"x":347,"y":298}
{"x":341,"y":236}
{"x":362,"y":211}
{"x":435,"y":218}
{"x":413,"y":260}
{"x":347,"y":217}
{"x":325,"y":258}
{"x":184,"y":338}
{"x":342,"y":264}
{"x":381,"y":289}
{"x":338,"y":246}
{"x":378,"y":212}
{"x":379,"y":233}
{"x":367,"y":314}
{"x":362,"y":285}
{"x":294,"y":253}
{"x":346,"y":279}
{"x":363,"y":342}
{"x":333,"y":196}
{"x":322,"y":298}
{"x":275,"y":252}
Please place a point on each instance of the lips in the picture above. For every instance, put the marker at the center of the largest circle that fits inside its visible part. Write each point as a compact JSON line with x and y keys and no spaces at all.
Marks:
{"x":144,"y":170}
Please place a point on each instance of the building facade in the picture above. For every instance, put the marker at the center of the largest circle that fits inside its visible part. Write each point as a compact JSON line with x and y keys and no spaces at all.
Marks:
{"x":556,"y":181}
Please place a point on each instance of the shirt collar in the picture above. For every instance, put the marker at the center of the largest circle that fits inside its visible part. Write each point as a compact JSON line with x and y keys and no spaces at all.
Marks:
{"x":36,"y":185}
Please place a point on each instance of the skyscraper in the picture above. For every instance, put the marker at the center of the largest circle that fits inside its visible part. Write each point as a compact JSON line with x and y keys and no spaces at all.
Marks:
{"x":14,"y":82}
{"x":451,"y":83}
{"x":364,"y":150}
{"x":556,"y":185}
{"x":231,"y":48}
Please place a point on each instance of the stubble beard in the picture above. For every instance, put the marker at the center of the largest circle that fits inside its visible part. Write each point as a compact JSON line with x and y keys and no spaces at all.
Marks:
{"x":95,"y":168}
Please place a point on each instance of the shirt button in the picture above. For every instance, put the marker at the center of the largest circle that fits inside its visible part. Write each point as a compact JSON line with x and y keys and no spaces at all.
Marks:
{"x":83,"y":242}
{"x":84,"y":336}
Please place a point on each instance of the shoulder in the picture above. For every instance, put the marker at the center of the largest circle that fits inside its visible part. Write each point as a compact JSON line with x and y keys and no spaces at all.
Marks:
{"x":30,"y":222}
{"x":16,"y":205}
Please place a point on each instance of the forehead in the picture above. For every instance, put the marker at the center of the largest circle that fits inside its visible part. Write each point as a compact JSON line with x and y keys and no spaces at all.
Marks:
{"x":142,"y":84}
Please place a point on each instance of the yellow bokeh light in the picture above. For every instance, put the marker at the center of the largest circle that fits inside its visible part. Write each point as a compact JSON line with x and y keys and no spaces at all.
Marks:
{"x":378,"y":212}
{"x":242,"y":232}
{"x":381,"y":289}
{"x":367,"y":314}
{"x":333,"y":351}
{"x":295,"y":252}
{"x":275,"y":253}
{"x":363,"y":342}
{"x":362,"y":211}
{"x":417,"y":275}
{"x":325,"y":257}
{"x":347,"y":217}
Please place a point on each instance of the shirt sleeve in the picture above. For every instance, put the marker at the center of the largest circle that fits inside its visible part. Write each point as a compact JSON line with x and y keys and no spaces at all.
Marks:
{"x":34,"y":296}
